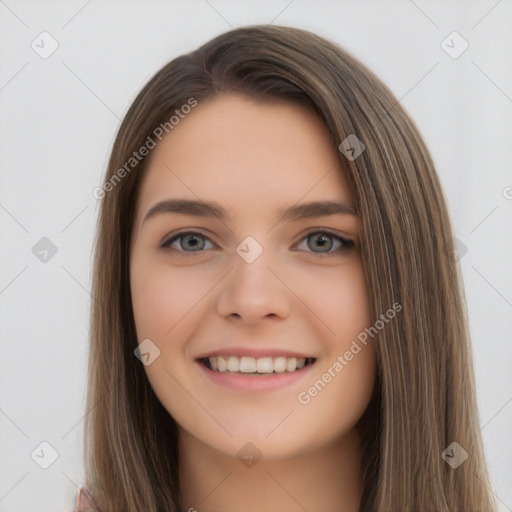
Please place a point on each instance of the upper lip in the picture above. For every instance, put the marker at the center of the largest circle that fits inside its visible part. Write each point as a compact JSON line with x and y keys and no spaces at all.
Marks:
{"x":251,"y":352}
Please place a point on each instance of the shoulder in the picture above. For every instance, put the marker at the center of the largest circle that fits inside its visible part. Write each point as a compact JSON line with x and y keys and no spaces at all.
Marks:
{"x":85,"y":501}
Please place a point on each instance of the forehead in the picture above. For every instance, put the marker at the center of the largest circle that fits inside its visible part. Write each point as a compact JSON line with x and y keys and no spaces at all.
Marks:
{"x":247,"y":154}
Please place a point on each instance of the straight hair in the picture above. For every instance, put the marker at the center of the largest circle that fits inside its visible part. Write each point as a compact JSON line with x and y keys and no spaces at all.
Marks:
{"x":424,"y":397}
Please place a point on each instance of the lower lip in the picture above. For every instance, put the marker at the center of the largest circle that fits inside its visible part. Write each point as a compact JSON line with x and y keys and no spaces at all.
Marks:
{"x":265,"y":382}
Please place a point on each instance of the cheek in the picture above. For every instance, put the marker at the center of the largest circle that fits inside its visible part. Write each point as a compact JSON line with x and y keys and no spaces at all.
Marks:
{"x":346,"y":378}
{"x":337,"y":401}
{"x":341,"y":388}
{"x":353,"y":307}
{"x":166,"y":305}
{"x":339,"y":298}
{"x":161,"y":297}
{"x":354,"y":383}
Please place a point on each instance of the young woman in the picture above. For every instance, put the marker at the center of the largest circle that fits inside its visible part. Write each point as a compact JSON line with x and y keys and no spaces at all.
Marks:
{"x":278,"y":320}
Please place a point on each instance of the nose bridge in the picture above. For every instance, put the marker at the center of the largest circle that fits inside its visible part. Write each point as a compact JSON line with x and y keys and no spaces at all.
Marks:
{"x":252,"y":291}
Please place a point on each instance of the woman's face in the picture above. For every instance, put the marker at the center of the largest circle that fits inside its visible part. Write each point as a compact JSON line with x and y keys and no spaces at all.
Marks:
{"x":255,"y":292}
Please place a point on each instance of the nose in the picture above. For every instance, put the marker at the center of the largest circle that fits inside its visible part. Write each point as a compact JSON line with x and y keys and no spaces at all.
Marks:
{"x":253,"y":292}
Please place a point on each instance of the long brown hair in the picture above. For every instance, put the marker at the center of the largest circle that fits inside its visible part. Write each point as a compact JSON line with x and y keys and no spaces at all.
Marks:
{"x":424,"y":398}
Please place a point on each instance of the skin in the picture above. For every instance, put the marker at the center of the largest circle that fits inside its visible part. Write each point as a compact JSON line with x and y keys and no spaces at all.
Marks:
{"x":254,"y":159}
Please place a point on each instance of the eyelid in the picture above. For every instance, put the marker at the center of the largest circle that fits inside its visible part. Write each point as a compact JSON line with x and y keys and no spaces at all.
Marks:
{"x":330,"y":231}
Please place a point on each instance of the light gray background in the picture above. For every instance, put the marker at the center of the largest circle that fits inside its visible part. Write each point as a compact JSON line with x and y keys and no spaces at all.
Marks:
{"x":58,"y":119}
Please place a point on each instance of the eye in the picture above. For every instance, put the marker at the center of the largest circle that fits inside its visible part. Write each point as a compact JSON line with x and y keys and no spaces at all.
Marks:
{"x":187,"y":240}
{"x":324,"y":241}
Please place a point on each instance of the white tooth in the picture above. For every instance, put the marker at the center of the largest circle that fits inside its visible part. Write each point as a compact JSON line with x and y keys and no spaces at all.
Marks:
{"x":222,"y":365}
{"x":233,"y":364}
{"x":291,"y":364}
{"x":280,"y":364}
{"x":247,"y":364}
{"x":264,"y":365}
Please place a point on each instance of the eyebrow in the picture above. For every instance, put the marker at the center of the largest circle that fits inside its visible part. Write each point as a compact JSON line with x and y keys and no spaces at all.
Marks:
{"x":212,"y":209}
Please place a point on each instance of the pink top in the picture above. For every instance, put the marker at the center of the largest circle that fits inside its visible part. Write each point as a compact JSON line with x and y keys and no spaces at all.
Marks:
{"x":85,"y":501}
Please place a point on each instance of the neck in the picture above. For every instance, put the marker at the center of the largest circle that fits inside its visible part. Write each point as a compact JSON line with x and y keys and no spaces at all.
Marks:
{"x":327,"y":479}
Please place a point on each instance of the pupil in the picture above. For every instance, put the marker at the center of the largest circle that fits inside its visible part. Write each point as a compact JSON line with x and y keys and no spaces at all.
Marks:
{"x":192,"y":239}
{"x":322,"y":240}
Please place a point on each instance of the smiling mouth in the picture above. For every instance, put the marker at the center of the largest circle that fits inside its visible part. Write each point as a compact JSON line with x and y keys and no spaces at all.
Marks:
{"x":256,"y":366}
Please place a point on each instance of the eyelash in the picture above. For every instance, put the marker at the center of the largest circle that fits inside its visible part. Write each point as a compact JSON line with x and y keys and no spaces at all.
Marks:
{"x":345,"y":247}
